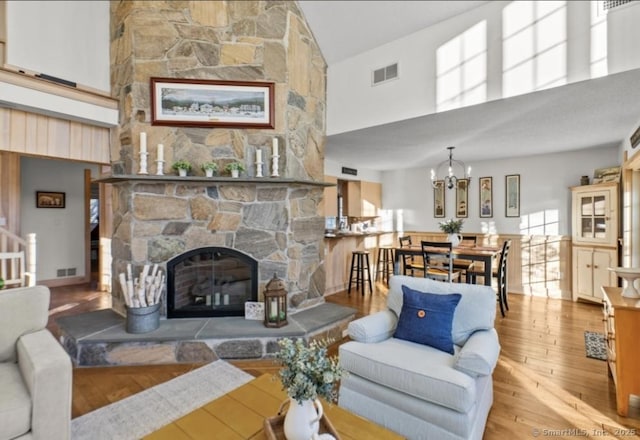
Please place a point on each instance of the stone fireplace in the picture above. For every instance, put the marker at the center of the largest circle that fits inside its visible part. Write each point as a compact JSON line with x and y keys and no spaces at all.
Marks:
{"x":210,"y":282}
{"x":273,"y":220}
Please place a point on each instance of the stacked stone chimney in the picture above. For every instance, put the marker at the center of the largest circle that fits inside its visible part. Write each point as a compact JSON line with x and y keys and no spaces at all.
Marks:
{"x":276,"y":221}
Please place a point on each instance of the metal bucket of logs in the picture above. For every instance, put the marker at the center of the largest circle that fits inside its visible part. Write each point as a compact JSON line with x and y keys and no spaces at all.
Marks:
{"x":143,"y":319}
{"x":142,"y":298}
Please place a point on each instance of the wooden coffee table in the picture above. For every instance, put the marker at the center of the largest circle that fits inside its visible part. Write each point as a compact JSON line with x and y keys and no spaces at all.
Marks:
{"x":240,"y":415}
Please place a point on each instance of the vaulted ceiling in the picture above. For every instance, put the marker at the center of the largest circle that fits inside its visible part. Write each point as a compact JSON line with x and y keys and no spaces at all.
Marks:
{"x":587,"y":114}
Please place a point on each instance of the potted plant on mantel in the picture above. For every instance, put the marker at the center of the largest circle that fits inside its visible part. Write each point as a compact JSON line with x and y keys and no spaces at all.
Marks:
{"x":182,"y":167}
{"x":234,"y":169}
{"x":307,"y":373}
{"x":452,"y":228}
{"x":209,"y":168}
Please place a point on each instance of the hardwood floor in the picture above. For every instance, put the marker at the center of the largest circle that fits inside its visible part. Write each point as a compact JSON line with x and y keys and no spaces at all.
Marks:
{"x":543,"y":380}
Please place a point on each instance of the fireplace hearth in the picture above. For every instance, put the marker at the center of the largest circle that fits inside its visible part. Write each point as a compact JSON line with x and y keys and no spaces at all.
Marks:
{"x":210,"y":282}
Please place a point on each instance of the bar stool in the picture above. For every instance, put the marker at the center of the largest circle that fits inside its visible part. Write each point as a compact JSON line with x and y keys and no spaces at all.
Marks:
{"x":384,"y":264}
{"x":360,"y":266}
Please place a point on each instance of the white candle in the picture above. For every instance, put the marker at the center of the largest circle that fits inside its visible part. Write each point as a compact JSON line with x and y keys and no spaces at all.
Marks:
{"x":143,"y":142}
{"x":160,"y":152}
{"x":274,"y":308}
{"x":225,"y":299}
{"x":216,"y":300}
{"x":258,"y":155}
{"x":275,"y":146}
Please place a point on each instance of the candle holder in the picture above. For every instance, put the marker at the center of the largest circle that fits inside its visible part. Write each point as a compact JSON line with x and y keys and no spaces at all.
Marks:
{"x":259,"y":168}
{"x":274,"y":166}
{"x":159,"y":167}
{"x":143,"y":163}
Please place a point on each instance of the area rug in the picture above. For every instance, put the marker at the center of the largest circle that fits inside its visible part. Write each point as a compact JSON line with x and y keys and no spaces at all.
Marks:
{"x":595,"y":345}
{"x":139,"y":415}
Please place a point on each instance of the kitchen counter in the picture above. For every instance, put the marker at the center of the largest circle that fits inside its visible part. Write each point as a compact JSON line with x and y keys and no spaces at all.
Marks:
{"x":338,"y":251}
{"x":355,"y":234}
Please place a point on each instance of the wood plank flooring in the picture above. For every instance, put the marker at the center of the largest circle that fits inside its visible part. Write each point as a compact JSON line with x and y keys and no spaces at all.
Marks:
{"x":544,"y":385}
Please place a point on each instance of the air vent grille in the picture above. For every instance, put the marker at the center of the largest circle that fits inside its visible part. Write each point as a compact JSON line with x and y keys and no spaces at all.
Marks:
{"x":385,"y":74}
{"x":610,"y":4}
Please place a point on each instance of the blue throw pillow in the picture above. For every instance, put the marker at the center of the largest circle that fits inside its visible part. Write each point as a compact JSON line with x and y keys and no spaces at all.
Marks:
{"x":426,"y":318}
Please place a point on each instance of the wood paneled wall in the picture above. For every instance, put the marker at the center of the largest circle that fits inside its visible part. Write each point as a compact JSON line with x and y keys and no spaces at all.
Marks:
{"x":10,"y":190}
{"x":46,"y":136}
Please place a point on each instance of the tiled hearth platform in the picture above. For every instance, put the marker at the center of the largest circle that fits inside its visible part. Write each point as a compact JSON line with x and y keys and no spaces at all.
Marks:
{"x":99,"y":338}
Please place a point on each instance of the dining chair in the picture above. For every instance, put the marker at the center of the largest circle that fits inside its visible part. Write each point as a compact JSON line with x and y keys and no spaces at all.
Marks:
{"x":501,"y":276}
{"x":409,"y":262}
{"x":436,"y":261}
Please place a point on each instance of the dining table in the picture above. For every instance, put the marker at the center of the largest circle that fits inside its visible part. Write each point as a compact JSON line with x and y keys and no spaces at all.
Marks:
{"x":485,"y":254}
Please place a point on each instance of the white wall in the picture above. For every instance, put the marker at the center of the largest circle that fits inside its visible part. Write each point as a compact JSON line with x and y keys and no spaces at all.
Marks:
{"x":59,"y":232}
{"x":65,"y":39}
{"x":353,"y":103}
{"x":544,"y":189}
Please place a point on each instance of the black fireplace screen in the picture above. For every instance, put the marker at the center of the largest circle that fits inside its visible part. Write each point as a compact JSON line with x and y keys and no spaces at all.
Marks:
{"x":209,"y":282}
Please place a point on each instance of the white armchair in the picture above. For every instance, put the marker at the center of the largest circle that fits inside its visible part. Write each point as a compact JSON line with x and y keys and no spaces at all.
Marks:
{"x":417,"y":390}
{"x":35,"y":371}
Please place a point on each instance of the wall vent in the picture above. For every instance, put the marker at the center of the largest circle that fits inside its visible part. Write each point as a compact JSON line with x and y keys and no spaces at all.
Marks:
{"x":61,"y":272}
{"x":610,"y":4}
{"x":71,"y":272}
{"x":385,"y":74}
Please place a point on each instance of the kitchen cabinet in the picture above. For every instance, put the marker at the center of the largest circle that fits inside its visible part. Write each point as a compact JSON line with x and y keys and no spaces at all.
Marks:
{"x":363,"y":199}
{"x":621,"y":330}
{"x":590,"y":271}
{"x":595,"y":228}
{"x":330,"y":201}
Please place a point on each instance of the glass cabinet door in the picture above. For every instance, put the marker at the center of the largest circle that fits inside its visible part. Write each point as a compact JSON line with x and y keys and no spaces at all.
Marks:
{"x":593,"y":216}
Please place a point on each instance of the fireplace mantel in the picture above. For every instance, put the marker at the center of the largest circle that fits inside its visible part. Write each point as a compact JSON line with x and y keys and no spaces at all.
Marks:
{"x":216,"y":179}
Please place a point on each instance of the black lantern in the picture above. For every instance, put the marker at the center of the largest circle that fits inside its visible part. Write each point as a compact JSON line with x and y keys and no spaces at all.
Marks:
{"x":275,"y":303}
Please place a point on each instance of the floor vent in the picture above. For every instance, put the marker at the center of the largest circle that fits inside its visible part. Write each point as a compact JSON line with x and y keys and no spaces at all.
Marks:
{"x":385,"y":74}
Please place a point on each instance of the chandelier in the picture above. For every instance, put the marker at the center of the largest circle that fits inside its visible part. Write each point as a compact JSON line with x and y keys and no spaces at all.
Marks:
{"x":450,"y":179}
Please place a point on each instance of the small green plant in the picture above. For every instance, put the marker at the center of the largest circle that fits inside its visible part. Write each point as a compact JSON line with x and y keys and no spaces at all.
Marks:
{"x":234,"y":166}
{"x":181,"y":165}
{"x":1,"y":283}
{"x":308,"y":372}
{"x":209,"y":166}
{"x":451,"y":226}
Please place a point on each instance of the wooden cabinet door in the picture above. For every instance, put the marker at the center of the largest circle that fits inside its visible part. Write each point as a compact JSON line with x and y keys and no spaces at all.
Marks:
{"x":330,"y":201}
{"x":602,"y":276}
{"x":582,"y":273}
{"x":371,"y":193}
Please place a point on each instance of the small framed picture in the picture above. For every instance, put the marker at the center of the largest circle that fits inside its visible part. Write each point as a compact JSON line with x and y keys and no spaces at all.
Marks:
{"x":486,"y":197}
{"x":439,"y":199}
{"x":48,"y":199}
{"x":462,"y":198}
{"x":512,"y":195}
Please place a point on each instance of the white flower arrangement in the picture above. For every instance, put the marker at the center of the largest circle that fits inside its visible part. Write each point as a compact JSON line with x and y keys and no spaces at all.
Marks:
{"x":308,"y":372}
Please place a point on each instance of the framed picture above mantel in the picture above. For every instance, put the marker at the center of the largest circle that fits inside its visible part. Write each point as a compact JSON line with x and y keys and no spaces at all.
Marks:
{"x":212,"y":103}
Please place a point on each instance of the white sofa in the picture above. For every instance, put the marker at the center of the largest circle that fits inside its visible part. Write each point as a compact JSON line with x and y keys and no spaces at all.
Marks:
{"x":35,"y":371}
{"x":416,"y":390}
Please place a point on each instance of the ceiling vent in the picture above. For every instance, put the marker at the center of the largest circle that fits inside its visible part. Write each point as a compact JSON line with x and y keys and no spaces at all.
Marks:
{"x":385,"y":74}
{"x":610,"y":4}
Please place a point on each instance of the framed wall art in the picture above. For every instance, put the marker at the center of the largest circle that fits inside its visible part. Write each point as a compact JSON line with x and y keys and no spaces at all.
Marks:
{"x":212,"y":103}
{"x":486,"y":197}
{"x":48,"y":199}
{"x":439,"y":199}
{"x":512,"y":195}
{"x":462,"y":198}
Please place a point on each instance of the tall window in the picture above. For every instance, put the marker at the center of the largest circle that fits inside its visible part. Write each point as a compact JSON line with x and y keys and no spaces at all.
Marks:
{"x":461,"y":69}
{"x":534,"y":46}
